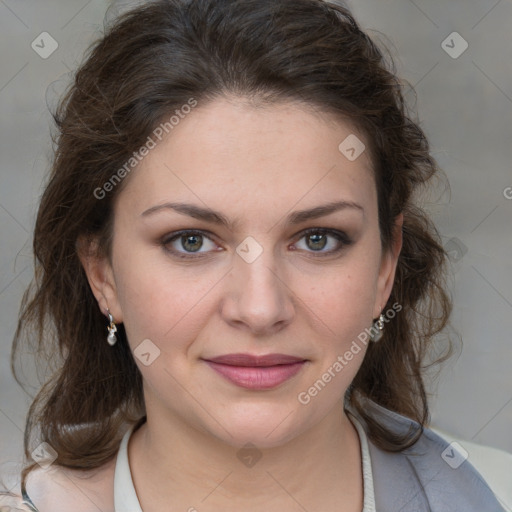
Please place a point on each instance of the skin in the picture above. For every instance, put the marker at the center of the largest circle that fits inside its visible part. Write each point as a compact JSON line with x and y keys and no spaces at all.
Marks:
{"x":256,"y":165}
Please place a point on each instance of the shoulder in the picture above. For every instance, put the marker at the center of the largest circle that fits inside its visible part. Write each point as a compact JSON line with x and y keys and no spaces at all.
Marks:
{"x":12,"y":503}
{"x":433,"y":474}
{"x":493,"y":464}
{"x":57,"y":489}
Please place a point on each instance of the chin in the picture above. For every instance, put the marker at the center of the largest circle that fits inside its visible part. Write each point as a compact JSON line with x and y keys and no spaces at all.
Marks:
{"x":268,"y":427}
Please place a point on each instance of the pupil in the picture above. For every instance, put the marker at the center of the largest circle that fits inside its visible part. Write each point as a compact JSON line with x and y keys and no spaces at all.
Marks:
{"x":316,"y":239}
{"x":195,"y":242}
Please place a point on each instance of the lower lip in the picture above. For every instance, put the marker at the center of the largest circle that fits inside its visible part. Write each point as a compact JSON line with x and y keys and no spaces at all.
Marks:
{"x":257,"y":377}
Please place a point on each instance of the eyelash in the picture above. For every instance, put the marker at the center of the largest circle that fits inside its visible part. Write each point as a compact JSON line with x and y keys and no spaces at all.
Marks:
{"x":340,"y":236}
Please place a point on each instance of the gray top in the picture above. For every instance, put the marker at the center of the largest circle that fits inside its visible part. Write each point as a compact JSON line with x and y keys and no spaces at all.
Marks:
{"x":430,"y":476}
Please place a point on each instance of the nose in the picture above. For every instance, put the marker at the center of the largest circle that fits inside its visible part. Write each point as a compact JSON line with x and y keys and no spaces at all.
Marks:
{"x":259,"y":297}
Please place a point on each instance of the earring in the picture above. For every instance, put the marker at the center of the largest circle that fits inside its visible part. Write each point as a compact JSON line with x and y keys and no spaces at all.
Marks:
{"x":377,"y":328}
{"x":112,"y":329}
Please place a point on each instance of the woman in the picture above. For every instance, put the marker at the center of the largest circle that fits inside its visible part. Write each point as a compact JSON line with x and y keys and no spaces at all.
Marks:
{"x":233,"y":281}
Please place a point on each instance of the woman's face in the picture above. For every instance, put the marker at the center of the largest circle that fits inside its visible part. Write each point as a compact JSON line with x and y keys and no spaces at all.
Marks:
{"x":247,"y":183}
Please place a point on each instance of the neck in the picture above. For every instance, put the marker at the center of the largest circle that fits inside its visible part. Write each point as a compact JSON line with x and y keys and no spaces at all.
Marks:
{"x":174,"y":463}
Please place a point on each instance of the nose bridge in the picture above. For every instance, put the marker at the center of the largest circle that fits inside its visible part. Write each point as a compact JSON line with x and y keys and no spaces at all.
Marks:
{"x":257,"y":266}
{"x":260,"y":295}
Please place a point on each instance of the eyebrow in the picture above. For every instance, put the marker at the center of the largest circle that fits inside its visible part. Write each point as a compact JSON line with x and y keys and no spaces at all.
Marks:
{"x":214,"y":217}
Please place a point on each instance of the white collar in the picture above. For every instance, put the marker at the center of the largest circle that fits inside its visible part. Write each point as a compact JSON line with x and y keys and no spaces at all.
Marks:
{"x":369,"y":495}
{"x":125,"y":497}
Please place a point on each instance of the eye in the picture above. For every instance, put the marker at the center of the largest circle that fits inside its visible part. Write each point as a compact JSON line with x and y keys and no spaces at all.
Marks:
{"x":190,"y":244}
{"x":187,"y":242}
{"x":323,"y":241}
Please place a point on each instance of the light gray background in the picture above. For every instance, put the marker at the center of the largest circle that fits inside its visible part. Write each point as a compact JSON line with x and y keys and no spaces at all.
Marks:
{"x":465,"y":105}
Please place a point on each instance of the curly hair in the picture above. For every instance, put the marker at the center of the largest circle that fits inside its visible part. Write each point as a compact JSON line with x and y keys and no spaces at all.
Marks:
{"x":149,"y":63}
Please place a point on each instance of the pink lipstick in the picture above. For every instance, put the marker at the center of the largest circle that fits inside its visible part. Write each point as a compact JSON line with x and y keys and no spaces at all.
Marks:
{"x":256,"y":372}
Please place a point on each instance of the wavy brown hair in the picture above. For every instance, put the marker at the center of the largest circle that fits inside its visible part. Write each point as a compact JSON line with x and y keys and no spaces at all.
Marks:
{"x":150,"y":63}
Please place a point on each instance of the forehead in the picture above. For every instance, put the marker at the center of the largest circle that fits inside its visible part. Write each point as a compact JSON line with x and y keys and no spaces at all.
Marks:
{"x":232,"y":155}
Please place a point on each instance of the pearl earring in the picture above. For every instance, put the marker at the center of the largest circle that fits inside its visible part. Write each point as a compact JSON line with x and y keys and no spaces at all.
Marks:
{"x":377,"y":329}
{"x":112,"y":329}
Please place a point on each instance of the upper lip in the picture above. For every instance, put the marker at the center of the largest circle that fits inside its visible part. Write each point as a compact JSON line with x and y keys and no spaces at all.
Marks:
{"x":252,"y":360}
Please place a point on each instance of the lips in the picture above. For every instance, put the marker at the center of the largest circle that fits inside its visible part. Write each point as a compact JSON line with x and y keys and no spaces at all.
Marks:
{"x":256,"y":372}
{"x":250,"y":360}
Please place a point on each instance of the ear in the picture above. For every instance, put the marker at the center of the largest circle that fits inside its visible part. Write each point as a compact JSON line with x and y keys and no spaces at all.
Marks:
{"x":388,"y":267}
{"x":100,"y":276}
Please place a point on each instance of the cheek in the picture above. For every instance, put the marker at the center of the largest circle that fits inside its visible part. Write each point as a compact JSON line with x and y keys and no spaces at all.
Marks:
{"x":343,"y":302}
{"x":343,"y":297}
{"x":159,"y":301}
